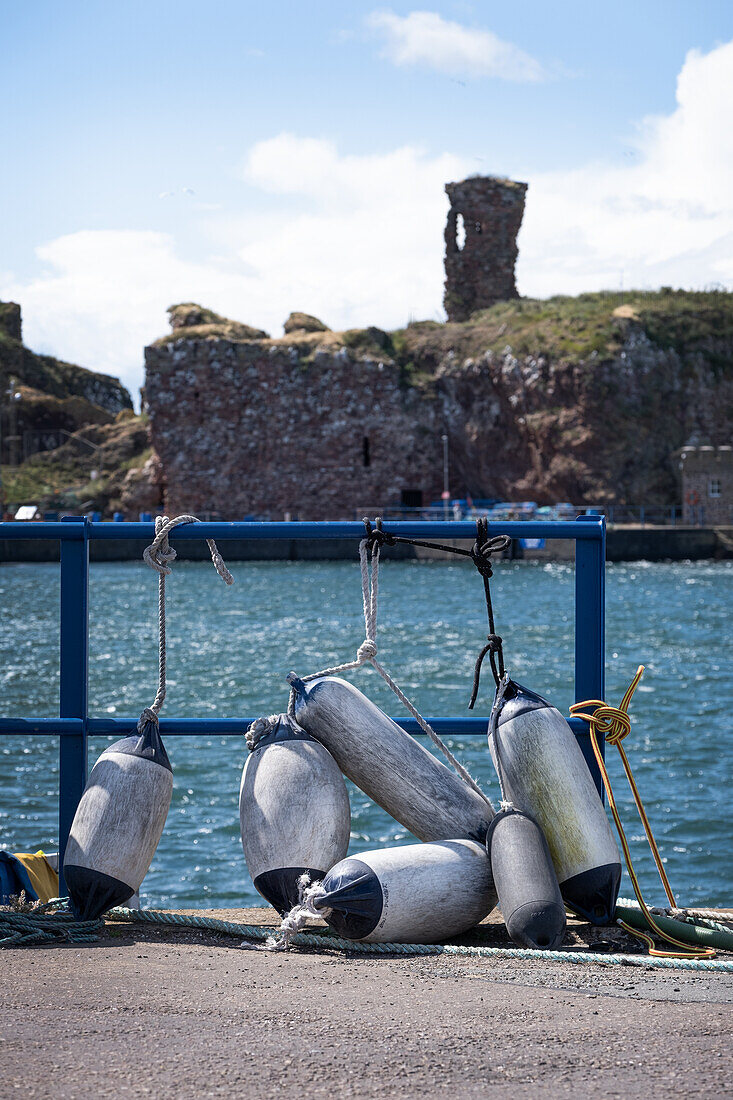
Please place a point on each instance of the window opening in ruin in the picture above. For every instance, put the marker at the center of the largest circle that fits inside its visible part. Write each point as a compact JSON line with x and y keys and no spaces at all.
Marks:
{"x":366,"y":456}
{"x":460,"y":232}
{"x":714,"y":487}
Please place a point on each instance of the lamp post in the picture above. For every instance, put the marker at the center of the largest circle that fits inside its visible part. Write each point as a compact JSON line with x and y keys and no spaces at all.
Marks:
{"x":446,"y":490}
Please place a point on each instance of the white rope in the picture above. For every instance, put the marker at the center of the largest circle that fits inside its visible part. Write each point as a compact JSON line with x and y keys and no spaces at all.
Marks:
{"x":259,"y":729}
{"x":367,"y":652}
{"x":160,"y":555}
{"x":720,"y":920}
{"x":294,"y":921}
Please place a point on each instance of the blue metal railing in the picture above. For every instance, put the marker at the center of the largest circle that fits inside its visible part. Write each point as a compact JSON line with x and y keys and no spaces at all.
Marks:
{"x":74,"y":724}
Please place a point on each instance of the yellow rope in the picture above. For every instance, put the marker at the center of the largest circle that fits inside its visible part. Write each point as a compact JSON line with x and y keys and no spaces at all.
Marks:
{"x":615,"y":723}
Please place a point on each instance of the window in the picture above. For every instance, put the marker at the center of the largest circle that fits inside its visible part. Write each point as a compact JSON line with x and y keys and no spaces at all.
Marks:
{"x":714,"y":487}
{"x":365,"y":455}
{"x":460,"y":232}
{"x":412,"y":498}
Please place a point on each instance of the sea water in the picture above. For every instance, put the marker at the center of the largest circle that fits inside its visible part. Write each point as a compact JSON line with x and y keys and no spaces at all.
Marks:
{"x":229,"y":650}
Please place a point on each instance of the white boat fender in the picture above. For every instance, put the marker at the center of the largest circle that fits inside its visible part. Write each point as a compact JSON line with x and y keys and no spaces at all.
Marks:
{"x":119,"y":821}
{"x":417,"y":893}
{"x":543,"y":773}
{"x":389,"y":765}
{"x":294,"y":809}
{"x":526,"y":884}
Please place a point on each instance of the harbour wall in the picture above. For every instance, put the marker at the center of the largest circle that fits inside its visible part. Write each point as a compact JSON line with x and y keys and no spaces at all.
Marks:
{"x":624,"y":543}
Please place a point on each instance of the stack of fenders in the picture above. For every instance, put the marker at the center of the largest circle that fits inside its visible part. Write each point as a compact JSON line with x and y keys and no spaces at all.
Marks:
{"x":550,"y":846}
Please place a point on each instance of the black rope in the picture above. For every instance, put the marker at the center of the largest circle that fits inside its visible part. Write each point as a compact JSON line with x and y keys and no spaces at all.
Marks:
{"x":480,"y":555}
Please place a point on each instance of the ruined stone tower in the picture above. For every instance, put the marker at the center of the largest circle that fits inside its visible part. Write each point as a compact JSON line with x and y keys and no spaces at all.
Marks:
{"x":481,"y":243}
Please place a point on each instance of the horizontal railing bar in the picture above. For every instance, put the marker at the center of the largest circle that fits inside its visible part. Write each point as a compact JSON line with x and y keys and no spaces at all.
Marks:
{"x":474,"y":726}
{"x":51,"y":727}
{"x":451,"y":529}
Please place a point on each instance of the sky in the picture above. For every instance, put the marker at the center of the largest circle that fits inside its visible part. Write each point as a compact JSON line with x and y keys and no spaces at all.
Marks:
{"x":262,"y":158}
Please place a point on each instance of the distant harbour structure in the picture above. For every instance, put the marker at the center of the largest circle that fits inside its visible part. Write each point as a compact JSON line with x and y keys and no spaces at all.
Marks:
{"x":706,"y":473}
{"x":481,"y":243}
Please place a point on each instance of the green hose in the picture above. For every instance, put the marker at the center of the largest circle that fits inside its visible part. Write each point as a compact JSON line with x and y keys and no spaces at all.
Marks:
{"x":681,"y":930}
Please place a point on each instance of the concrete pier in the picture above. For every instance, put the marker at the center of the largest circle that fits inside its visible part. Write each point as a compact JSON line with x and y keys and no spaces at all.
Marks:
{"x":170,"y":1014}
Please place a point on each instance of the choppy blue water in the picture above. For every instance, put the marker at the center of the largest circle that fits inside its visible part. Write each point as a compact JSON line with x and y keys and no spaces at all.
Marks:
{"x":229,"y":650}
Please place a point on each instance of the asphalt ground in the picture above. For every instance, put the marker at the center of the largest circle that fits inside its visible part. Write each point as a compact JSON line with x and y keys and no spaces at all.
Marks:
{"x":155,"y":1011}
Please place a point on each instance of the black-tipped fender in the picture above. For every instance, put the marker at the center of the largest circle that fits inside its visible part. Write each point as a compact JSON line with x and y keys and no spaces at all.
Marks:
{"x":544,"y":774}
{"x":294,"y":812}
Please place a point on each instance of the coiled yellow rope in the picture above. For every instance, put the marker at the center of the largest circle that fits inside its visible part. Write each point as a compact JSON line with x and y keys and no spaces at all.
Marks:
{"x":615,"y":724}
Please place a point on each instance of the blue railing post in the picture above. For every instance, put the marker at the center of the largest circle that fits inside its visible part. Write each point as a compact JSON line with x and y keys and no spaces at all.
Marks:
{"x":74,"y":639}
{"x":590,"y":631}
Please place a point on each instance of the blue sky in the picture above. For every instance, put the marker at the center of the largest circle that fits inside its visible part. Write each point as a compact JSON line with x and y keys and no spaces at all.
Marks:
{"x":272,"y":157}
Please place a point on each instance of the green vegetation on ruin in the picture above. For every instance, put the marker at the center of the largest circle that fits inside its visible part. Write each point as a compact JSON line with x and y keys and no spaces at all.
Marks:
{"x":190,"y":321}
{"x":584,"y":328}
{"x":62,"y":478}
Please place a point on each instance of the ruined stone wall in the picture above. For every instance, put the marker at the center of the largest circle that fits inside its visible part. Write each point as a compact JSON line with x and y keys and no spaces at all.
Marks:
{"x":326,"y":425}
{"x":480,"y":269}
{"x":246,"y":428}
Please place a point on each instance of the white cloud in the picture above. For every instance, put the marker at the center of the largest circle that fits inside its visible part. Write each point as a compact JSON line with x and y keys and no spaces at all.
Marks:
{"x":357,"y":239}
{"x":102,"y":295}
{"x":664,"y":218}
{"x":425,"y":38}
{"x":366,"y":250}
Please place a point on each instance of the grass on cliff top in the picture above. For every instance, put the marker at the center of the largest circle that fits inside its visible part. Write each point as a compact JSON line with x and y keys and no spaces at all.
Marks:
{"x":579,"y":328}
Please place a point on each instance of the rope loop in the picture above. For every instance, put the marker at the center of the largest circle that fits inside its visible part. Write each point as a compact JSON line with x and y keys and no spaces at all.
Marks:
{"x":148,"y":716}
{"x":484,"y":547}
{"x":377,"y":536}
{"x":159,"y":556}
{"x":299,"y":915}
{"x":259,"y":729}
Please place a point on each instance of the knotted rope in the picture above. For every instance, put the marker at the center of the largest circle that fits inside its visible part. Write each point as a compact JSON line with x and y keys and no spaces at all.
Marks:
{"x":160,"y":555}
{"x":259,"y":729}
{"x":481,"y":553}
{"x":367,"y":652}
{"x":615,"y":724}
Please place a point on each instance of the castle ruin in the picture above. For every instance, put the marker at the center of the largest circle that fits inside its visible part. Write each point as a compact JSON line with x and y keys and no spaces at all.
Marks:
{"x":481,"y":243}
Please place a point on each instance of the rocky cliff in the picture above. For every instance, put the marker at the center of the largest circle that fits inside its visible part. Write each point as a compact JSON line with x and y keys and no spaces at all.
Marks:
{"x":583,"y":399}
{"x":69,"y":436}
{"x":54,"y":396}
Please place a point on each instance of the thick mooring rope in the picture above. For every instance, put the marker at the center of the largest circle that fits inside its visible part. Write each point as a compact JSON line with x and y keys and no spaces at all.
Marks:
{"x":367,"y":652}
{"x":45,"y":924}
{"x":43,"y":927}
{"x":160,"y":555}
{"x":326,"y":941}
